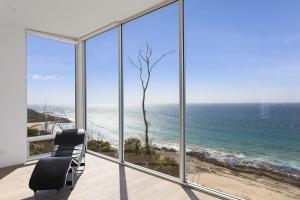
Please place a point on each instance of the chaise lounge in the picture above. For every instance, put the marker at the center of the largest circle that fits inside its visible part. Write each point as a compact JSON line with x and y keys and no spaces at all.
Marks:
{"x":67,"y":155}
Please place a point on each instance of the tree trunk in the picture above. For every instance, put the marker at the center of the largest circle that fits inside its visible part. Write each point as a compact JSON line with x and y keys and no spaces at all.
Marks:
{"x":145,"y":122}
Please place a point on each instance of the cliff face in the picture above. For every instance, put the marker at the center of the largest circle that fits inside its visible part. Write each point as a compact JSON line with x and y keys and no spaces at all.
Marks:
{"x":34,"y":116}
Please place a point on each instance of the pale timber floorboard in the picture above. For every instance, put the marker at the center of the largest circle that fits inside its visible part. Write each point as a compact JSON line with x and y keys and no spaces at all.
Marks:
{"x":102,"y":179}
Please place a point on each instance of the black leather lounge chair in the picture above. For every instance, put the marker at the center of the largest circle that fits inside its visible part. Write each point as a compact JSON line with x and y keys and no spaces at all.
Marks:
{"x":67,"y":155}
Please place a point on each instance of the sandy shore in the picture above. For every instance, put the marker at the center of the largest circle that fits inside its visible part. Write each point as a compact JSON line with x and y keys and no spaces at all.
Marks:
{"x":38,"y":125}
{"x":249,"y":186}
{"x":246,"y":182}
{"x":245,"y":185}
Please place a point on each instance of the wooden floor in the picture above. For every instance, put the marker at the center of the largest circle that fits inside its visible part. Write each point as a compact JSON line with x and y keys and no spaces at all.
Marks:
{"x":102,"y":179}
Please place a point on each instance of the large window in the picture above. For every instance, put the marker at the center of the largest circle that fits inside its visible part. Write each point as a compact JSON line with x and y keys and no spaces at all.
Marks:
{"x":243,"y":97}
{"x":150,"y":61}
{"x":242,"y":75}
{"x":50,"y":89}
{"x":102,"y":93}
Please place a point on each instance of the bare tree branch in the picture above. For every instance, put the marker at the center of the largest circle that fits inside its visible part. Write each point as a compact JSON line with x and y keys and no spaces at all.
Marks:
{"x":139,"y":68}
{"x":144,"y":61}
{"x":159,"y":59}
{"x":142,"y":56}
{"x":133,"y":63}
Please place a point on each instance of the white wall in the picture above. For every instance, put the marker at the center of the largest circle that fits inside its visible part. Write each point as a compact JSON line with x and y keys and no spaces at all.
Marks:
{"x":13,"y":146}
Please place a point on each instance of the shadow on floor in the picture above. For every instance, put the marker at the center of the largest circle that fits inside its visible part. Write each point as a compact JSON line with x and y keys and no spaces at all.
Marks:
{"x":123,"y":184}
{"x":62,"y":194}
{"x":190,"y":193}
{"x":7,"y":170}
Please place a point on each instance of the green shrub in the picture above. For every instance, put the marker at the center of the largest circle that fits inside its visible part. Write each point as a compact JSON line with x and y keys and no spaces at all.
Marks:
{"x":106,"y":147}
{"x":100,"y":146}
{"x":41,"y":147}
{"x":137,"y":153}
{"x":149,"y":151}
{"x":44,"y":132}
{"x":150,"y":158}
{"x":132,"y":145}
{"x":167,"y":165}
{"x":31,"y":132}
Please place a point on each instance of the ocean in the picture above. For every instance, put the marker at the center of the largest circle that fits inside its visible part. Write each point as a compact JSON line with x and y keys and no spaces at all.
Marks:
{"x":266,"y":135}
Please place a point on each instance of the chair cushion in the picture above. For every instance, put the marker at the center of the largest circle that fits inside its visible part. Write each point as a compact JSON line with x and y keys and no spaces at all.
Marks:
{"x":75,"y":152}
{"x":70,"y":137}
{"x":50,"y":173}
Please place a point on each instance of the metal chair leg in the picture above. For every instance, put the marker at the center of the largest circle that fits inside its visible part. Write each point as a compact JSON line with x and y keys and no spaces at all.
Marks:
{"x":72,"y":179}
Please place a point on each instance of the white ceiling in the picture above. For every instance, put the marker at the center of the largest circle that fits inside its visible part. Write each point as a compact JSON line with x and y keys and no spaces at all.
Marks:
{"x":73,"y":18}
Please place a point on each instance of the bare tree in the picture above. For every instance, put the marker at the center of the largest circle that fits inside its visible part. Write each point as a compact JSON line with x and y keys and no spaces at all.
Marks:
{"x":55,"y":118}
{"x":144,"y":64}
{"x":45,"y":116}
{"x":52,"y":120}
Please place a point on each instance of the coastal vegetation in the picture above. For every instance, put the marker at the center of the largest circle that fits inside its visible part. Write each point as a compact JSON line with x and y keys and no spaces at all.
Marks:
{"x":32,"y":132}
{"x":39,"y":124}
{"x":135,"y":152}
{"x":41,"y":147}
{"x":43,"y":123}
{"x":101,"y":146}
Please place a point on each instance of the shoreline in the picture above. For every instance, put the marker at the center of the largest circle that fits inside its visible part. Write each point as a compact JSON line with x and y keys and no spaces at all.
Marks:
{"x":245,"y":185}
{"x":235,"y":163}
{"x":248,"y":168}
{"x":248,"y":183}
{"x":278,"y":173}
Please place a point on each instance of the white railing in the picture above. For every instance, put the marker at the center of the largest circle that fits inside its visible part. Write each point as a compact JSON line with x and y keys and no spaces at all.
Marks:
{"x":37,"y":139}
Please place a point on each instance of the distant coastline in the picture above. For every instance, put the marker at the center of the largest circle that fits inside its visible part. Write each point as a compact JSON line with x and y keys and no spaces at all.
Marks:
{"x":39,"y":124}
{"x":36,"y":117}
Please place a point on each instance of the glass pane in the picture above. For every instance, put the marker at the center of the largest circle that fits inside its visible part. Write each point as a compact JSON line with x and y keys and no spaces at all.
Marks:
{"x":102,"y":93}
{"x":41,"y":147}
{"x":50,"y":86}
{"x":150,"y":45}
{"x":243,"y":97}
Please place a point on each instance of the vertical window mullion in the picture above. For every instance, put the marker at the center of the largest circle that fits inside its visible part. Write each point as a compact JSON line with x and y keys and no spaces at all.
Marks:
{"x":80,"y":85}
{"x":182,"y":92}
{"x":121,"y":96}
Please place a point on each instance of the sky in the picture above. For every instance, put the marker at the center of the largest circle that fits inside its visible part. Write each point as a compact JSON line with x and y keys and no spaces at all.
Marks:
{"x":235,"y":51}
{"x":50,"y":72}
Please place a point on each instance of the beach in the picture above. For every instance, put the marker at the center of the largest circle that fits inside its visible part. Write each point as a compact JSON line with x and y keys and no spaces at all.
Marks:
{"x":248,"y":186}
{"x":245,"y":185}
{"x":245,"y":182}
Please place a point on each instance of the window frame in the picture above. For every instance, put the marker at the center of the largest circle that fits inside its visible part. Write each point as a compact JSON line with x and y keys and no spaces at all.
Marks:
{"x":120,"y":124}
{"x":58,"y":38}
{"x":182,"y":103}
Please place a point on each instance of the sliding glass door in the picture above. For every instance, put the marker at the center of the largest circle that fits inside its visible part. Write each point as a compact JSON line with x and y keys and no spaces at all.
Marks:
{"x":102,"y":93}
